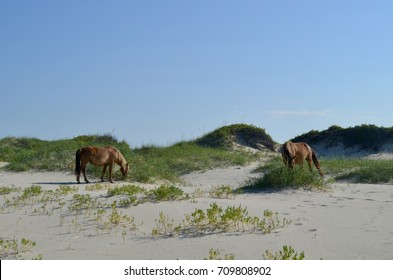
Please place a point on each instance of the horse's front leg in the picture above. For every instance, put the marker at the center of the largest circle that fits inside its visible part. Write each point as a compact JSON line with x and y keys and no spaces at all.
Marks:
{"x":103,"y":172}
{"x":110,"y":172}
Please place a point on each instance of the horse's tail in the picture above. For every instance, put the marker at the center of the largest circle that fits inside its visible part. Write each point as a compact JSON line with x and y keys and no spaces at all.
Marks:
{"x":286,"y":156}
{"x":316,"y":162}
{"x":78,"y":161}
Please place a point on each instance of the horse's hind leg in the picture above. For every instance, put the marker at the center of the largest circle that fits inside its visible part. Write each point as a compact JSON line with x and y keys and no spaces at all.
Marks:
{"x":103,"y":172}
{"x":309,"y":164}
{"x":84,"y":172}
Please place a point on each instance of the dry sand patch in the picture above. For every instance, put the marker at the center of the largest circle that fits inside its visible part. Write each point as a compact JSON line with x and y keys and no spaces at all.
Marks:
{"x":352,"y":221}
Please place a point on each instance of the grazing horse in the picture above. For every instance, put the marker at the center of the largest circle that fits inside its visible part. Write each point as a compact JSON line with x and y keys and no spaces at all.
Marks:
{"x":296,"y":153}
{"x":99,"y":156}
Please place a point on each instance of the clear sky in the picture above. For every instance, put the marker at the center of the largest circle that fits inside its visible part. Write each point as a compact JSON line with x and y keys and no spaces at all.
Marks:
{"x":158,"y":72}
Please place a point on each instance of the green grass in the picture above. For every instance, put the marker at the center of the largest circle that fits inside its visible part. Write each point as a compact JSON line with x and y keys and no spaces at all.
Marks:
{"x":275,"y":176}
{"x":288,"y":253}
{"x":25,"y":154}
{"x":147,"y":164}
{"x":366,"y":136}
{"x":360,"y":170}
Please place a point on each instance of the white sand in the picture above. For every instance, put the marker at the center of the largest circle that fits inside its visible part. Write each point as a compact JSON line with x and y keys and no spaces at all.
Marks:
{"x":352,"y":221}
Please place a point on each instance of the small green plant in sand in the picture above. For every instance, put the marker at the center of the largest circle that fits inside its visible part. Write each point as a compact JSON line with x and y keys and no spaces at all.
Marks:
{"x":82,"y":202}
{"x":65,"y":190}
{"x":136,"y":195}
{"x":215,"y":254}
{"x":7,"y":190}
{"x":166,"y":193}
{"x":165,"y":226}
{"x":287,"y":253}
{"x":216,"y":220}
{"x":115,"y":220}
{"x":12,"y":248}
{"x":29,"y":196}
{"x":222,"y":192}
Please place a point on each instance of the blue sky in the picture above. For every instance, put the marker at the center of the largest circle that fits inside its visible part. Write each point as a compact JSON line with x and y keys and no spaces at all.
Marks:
{"x":158,"y":72}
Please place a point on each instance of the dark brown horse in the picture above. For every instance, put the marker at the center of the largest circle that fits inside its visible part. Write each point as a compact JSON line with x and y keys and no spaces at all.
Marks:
{"x":296,"y":153}
{"x":99,"y":156}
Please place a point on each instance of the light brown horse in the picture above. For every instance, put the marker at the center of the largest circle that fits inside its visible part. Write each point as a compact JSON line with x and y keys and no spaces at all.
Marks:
{"x":99,"y":156}
{"x":296,"y":153}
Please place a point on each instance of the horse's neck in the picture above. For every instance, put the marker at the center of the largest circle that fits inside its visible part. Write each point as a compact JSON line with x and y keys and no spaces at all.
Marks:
{"x":121,"y":160}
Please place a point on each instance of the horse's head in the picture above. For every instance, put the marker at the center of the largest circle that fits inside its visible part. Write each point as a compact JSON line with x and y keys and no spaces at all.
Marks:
{"x":124,"y":169}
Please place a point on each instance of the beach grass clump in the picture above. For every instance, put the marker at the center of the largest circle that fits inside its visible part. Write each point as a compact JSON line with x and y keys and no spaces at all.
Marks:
{"x":7,"y":190}
{"x":12,"y":248}
{"x":287,"y":253}
{"x":215,"y":254}
{"x":217,"y":220}
{"x":128,"y":190}
{"x":275,"y":176}
{"x":167,"y":193}
{"x":82,"y":202}
{"x":222,"y":192}
{"x":136,"y":195}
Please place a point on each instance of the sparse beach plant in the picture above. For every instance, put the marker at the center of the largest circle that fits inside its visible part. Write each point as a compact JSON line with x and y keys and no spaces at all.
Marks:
{"x":82,"y":202}
{"x":223,"y":192}
{"x":166,"y":193}
{"x":13,"y":247}
{"x":215,"y":254}
{"x":287,"y":253}
{"x":7,"y":190}
{"x":30,"y":192}
{"x":216,"y":220}
{"x":164,"y":226}
{"x":65,"y":190}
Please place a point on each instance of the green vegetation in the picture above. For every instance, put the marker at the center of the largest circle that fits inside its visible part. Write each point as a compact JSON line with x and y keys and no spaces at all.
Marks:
{"x":7,"y":190}
{"x":136,"y":195}
{"x":360,"y":170}
{"x":224,"y":192}
{"x":167,"y":193}
{"x":147,"y":164}
{"x":12,"y":248}
{"x":243,"y":134}
{"x":288,"y":253}
{"x":216,"y":220}
{"x":278,"y":177}
{"x":215,"y":254}
{"x":365,"y":136}
{"x":33,"y":154}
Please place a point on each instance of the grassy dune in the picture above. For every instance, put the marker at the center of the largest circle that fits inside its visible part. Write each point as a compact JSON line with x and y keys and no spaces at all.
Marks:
{"x":147,"y":164}
{"x":215,"y":149}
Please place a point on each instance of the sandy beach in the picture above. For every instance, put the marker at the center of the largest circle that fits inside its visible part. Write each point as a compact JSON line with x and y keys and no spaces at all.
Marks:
{"x":350,"y":221}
